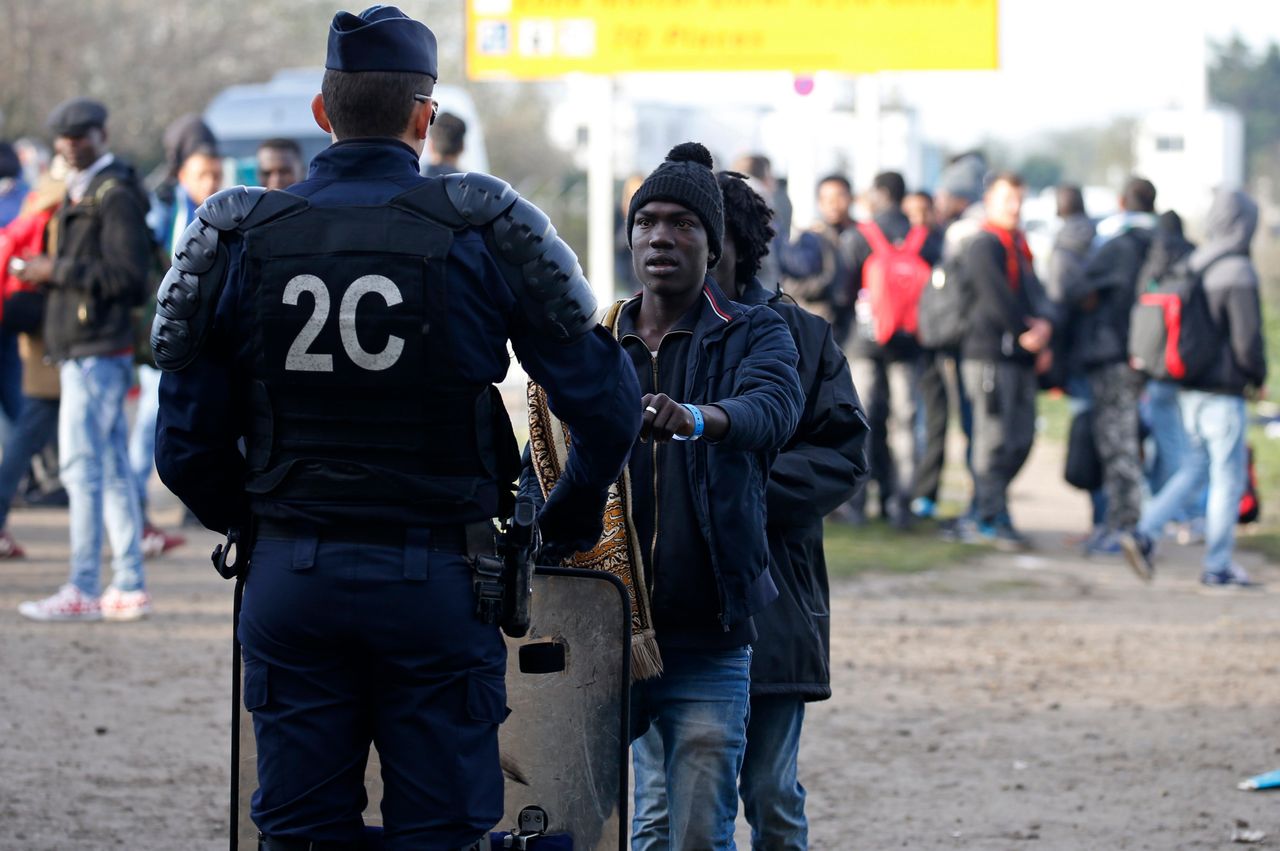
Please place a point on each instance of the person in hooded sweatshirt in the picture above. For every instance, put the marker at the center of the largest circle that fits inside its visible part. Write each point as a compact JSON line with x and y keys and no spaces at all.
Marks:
{"x":1067,"y":263}
{"x":1213,"y":411}
{"x":958,"y":208}
{"x":1159,"y":411}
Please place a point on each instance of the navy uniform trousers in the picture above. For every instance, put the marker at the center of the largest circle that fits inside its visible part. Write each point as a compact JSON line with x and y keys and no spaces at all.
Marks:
{"x":347,"y":644}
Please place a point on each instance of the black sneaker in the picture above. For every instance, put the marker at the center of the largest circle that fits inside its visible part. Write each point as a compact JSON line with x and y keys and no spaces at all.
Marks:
{"x":56,"y":498}
{"x":1140,"y":552}
{"x":1005,"y":537}
{"x":1233,"y":577}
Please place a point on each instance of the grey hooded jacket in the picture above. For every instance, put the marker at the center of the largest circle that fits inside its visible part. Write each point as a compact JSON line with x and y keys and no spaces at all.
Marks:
{"x":1231,"y":287}
{"x":1070,"y":253}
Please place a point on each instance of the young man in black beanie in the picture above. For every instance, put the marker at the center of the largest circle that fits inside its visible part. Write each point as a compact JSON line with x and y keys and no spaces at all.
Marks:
{"x":721,"y":397}
{"x":820,"y":467}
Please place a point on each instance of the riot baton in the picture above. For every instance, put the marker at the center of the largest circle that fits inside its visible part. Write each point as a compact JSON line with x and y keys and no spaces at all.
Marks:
{"x":231,"y":560}
{"x":519,"y":549}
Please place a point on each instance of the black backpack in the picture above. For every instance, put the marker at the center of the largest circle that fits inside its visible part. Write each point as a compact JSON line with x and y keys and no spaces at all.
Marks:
{"x":1172,"y":335}
{"x":944,"y":305}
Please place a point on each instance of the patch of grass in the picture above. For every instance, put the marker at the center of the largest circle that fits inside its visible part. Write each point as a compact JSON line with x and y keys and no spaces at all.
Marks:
{"x":1053,"y":415}
{"x":1265,"y":543}
{"x":877,"y":547}
{"x":1265,"y":537}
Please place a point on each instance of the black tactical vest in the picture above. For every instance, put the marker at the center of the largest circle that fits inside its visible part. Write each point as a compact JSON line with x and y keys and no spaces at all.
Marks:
{"x":358,"y":407}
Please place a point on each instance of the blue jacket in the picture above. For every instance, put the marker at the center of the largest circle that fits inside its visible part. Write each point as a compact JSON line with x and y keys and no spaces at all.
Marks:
{"x":745,"y":363}
{"x":204,"y":409}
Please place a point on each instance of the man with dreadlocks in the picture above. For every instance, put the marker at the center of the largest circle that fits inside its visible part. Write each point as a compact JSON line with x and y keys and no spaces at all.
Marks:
{"x":820,"y":468}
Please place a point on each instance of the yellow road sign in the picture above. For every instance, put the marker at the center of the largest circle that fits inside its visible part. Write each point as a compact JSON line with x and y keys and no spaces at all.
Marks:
{"x":538,"y":39}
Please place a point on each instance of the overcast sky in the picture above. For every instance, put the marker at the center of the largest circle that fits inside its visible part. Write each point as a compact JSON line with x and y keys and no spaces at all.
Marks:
{"x":1065,"y":64}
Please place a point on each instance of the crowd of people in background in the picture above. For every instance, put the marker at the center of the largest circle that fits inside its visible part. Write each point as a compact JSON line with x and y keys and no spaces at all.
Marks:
{"x":935,"y":300}
{"x":932,"y":295}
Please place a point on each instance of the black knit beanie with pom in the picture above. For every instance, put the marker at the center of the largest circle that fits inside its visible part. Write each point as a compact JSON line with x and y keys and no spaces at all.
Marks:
{"x":687,"y":178}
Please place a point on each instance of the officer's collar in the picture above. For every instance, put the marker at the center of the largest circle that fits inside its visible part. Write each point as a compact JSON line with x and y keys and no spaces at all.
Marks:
{"x":364,"y":158}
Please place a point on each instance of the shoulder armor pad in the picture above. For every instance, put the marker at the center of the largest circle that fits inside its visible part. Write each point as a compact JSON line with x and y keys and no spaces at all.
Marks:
{"x":540,"y":268}
{"x":225,"y":210}
{"x":185,"y":304}
{"x":188,"y":295}
{"x":557,"y":297}
{"x":523,"y":232}
{"x":546,"y":278}
{"x":479,"y":198}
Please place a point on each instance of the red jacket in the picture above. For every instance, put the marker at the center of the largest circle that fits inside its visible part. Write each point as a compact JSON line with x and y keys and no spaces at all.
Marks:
{"x":22,"y":237}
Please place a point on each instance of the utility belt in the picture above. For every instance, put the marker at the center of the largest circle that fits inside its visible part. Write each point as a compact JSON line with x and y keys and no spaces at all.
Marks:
{"x":268,"y":843}
{"x":502,"y":561}
{"x":468,"y":539}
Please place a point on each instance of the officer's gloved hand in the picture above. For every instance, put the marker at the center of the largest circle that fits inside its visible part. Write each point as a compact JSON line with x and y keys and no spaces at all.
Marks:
{"x":570,"y":522}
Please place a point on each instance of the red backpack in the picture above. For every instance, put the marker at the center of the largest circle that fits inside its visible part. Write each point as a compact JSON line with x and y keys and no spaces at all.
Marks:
{"x":894,"y":277}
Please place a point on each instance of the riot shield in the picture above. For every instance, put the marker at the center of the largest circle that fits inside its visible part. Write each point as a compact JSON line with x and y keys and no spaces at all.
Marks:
{"x":565,"y":745}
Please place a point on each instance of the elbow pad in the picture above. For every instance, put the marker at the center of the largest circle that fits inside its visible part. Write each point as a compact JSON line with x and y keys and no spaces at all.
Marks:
{"x":538,"y":266}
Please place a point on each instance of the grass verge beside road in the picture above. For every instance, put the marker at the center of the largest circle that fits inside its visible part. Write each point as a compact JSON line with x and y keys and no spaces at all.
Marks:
{"x":875,"y":546}
{"x":1264,"y":536}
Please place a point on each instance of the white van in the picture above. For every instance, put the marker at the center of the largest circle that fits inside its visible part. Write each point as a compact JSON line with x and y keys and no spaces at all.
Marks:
{"x":244,"y":116}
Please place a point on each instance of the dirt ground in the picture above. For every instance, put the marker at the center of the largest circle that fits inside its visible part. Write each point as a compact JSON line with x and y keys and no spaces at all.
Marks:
{"x":1036,"y":701}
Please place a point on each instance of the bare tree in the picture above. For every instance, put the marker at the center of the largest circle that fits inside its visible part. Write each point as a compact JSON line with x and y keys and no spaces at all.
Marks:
{"x":151,"y":62}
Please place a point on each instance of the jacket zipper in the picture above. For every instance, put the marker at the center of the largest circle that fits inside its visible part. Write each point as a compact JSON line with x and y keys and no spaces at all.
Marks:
{"x":705,"y":501}
{"x":657,"y":502}
{"x":653,"y":543}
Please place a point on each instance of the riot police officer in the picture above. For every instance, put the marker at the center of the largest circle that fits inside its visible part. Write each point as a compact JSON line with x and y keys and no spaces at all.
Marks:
{"x":350,"y":330}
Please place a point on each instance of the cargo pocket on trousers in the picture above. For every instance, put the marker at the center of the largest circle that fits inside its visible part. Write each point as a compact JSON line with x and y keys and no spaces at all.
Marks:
{"x":487,"y":698}
{"x":256,"y":691}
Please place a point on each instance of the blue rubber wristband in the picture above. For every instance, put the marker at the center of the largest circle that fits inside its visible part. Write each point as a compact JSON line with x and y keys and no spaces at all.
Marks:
{"x":699,"y":424}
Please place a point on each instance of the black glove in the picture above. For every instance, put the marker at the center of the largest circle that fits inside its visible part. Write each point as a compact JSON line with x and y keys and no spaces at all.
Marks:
{"x":571,"y":522}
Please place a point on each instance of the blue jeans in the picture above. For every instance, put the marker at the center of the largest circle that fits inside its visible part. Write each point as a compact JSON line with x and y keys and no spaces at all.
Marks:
{"x":94,"y":466}
{"x":1163,"y":418}
{"x":1215,"y":453}
{"x":142,"y":440}
{"x":772,"y":796}
{"x":36,"y":426}
{"x":698,"y":709}
{"x":10,"y":381}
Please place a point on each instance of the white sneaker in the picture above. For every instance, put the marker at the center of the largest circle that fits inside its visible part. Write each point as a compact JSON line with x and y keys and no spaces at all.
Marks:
{"x":157,"y":542}
{"x":120,"y":605}
{"x":69,"y":604}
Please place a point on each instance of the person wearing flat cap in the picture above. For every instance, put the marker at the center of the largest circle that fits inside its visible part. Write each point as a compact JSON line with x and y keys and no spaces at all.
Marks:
{"x":95,"y":274}
{"x":351,"y":331}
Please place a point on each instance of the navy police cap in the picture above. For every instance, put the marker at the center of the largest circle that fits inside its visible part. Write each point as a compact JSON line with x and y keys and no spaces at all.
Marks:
{"x":381,"y":38}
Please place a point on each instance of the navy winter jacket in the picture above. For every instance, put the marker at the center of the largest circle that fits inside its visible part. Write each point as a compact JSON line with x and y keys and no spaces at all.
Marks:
{"x":744,"y":363}
{"x":821,"y":467}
